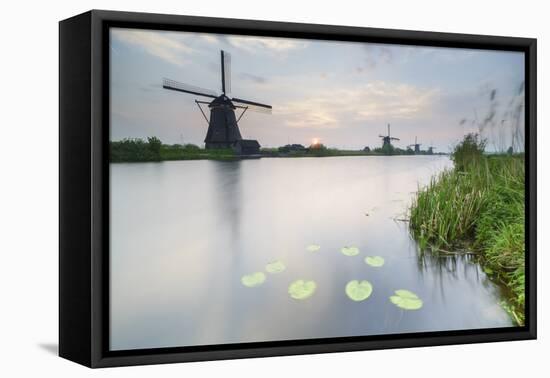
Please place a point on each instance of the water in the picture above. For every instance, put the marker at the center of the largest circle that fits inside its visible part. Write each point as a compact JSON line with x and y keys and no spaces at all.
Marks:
{"x":183,"y":234}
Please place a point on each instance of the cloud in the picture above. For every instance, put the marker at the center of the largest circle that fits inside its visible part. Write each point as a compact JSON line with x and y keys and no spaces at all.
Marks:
{"x":169,"y":47}
{"x":376,"y":55}
{"x":253,"y":78}
{"x":210,"y":38}
{"x":375,"y":101}
{"x":274,"y":45}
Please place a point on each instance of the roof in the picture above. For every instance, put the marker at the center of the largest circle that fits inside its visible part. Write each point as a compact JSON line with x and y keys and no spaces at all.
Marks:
{"x":221,"y":100}
{"x":248,"y":143}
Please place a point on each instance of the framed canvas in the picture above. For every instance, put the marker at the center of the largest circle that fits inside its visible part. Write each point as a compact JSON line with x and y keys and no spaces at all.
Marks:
{"x":234,"y":188}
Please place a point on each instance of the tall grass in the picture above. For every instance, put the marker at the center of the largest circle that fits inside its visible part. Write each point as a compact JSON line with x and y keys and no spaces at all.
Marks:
{"x":479,"y":205}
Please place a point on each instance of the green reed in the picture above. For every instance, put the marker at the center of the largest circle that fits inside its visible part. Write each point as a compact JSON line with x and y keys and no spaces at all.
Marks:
{"x":478,"y":205}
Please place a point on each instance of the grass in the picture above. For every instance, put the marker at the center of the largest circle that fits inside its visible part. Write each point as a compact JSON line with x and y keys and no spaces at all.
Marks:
{"x":152,"y":149}
{"x":177,"y":152}
{"x":139,"y":150}
{"x":478,"y":205}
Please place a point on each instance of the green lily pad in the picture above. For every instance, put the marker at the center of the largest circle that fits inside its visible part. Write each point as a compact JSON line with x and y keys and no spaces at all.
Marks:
{"x":301,"y":289}
{"x":275,"y":267}
{"x":253,"y":279}
{"x":350,"y":251}
{"x":407,"y":300}
{"x":313,"y":248}
{"x":375,"y":261}
{"x":358,"y":290}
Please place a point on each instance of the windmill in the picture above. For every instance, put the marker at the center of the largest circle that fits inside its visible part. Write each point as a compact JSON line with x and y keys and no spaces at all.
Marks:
{"x":386,"y":139}
{"x":431,"y":149}
{"x":416,"y":146}
{"x":223,"y":128}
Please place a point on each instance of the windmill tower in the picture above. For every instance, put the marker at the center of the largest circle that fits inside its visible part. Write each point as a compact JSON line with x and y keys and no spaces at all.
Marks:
{"x":386,"y":139}
{"x":431,"y":149}
{"x":223,"y":128}
{"x":416,"y":145}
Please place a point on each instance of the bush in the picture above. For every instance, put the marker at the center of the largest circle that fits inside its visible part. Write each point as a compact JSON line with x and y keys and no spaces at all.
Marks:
{"x":154,"y":145}
{"x":191,"y":147}
{"x":135,"y":150}
{"x":469,"y":151}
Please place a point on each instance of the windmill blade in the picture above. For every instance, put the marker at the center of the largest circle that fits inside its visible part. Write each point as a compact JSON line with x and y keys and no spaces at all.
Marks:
{"x":394,"y":138}
{"x":226,"y":72}
{"x":256,"y":106}
{"x":181,"y":87}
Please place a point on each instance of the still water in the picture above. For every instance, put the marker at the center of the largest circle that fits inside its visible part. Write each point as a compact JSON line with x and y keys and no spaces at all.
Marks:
{"x":183,"y":234}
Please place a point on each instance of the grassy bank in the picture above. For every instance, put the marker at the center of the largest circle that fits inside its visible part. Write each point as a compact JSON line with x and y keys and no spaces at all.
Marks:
{"x":139,"y":150}
{"x":152,"y":149}
{"x":479,"y":205}
{"x":192,"y":152}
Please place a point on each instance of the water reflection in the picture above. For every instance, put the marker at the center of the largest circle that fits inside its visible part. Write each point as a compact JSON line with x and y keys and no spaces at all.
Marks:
{"x":184,"y":233}
{"x":228,"y":195}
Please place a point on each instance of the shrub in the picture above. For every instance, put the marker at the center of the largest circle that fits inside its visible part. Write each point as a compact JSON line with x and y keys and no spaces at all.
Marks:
{"x":469,"y":151}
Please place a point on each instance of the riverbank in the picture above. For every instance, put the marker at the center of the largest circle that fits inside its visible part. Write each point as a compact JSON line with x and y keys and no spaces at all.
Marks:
{"x":478,"y":206}
{"x":152,"y":149}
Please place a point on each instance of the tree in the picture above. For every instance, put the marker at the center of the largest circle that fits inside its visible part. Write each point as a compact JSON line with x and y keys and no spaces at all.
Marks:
{"x":154,"y":146}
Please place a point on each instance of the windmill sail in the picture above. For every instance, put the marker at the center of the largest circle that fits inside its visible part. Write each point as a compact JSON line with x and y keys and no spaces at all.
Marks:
{"x":251,"y":105}
{"x":181,"y":87}
{"x":226,"y":72}
{"x":223,"y":128}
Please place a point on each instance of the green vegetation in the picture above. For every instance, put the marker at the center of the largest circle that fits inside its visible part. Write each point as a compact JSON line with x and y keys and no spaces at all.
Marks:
{"x":253,"y":280}
{"x":479,"y":205}
{"x":313,"y":248}
{"x":302,"y":289}
{"x":407,"y":300}
{"x":152,"y":149}
{"x":358,"y":290}
{"x":275,"y":267}
{"x":321,"y":150}
{"x":139,"y":150}
{"x":135,"y":150}
{"x":374,"y":261}
{"x":350,"y":251}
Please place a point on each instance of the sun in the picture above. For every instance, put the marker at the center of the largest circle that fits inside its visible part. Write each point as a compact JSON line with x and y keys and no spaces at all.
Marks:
{"x":315,"y":141}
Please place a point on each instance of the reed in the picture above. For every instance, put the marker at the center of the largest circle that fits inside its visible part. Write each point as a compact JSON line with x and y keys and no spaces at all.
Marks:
{"x":478,"y":205}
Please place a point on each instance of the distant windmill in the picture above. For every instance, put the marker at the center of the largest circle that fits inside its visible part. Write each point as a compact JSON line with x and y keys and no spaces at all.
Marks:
{"x":416,"y":146}
{"x":431,"y":149}
{"x":386,"y":139}
{"x":223,"y":129}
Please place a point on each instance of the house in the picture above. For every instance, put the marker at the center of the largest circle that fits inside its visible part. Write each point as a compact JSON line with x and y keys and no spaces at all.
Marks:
{"x":246,"y":147}
{"x":292,"y":148}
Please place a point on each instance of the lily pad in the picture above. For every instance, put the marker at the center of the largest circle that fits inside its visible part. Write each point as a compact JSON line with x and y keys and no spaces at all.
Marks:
{"x":253,"y":279}
{"x":275,"y":267}
{"x":358,"y":290}
{"x":375,"y":261}
{"x":302,"y":289}
{"x":407,"y":300}
{"x":350,"y":251}
{"x":313,"y":248}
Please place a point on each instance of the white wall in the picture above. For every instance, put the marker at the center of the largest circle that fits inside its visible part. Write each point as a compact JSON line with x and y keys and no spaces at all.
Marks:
{"x":28,"y":185}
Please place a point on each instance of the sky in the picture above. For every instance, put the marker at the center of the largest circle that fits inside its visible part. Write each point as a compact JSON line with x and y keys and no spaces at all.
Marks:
{"x":342,"y":93}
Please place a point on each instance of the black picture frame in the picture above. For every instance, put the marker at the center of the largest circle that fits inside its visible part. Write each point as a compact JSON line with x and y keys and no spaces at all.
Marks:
{"x":84,"y":191}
